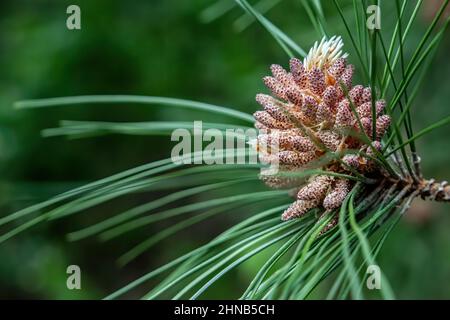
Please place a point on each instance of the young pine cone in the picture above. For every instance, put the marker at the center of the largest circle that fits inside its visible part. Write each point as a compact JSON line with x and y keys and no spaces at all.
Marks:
{"x":309,"y":114}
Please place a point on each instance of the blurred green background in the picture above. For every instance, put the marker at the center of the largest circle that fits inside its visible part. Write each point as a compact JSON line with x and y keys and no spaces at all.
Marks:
{"x":167,"y":48}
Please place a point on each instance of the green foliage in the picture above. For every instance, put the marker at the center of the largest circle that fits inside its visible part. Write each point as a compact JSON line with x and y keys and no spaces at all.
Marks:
{"x":298,"y":259}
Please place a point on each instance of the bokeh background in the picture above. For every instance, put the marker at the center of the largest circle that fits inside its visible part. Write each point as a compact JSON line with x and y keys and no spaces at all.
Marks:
{"x":175,"y":48}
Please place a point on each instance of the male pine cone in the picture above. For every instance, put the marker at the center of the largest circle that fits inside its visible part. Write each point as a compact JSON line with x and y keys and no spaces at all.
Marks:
{"x":312,"y":112}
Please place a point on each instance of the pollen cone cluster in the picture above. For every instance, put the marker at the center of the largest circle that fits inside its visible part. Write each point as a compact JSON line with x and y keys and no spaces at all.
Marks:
{"x":311,"y":113}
